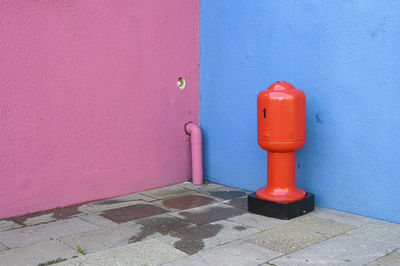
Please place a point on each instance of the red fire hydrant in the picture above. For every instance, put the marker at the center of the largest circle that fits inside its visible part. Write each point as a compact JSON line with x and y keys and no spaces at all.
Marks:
{"x":281,"y":130}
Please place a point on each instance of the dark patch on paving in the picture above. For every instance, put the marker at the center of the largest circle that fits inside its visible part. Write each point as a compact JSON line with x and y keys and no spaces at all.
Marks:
{"x":191,"y":239}
{"x":164,"y":225}
{"x":211,"y":214}
{"x":145,"y":232}
{"x":58,"y":213}
{"x":186,"y":202}
{"x":239,"y":228}
{"x":240,"y":203}
{"x":108,"y":202}
{"x":52,"y":262}
{"x":228,"y":194}
{"x":132,"y":212}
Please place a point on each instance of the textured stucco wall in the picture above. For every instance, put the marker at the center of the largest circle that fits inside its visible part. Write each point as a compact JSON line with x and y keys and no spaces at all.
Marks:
{"x":345,"y":56}
{"x":89,"y":106}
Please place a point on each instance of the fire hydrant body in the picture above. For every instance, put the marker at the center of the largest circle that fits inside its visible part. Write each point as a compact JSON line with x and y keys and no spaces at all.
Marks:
{"x":281,"y":117}
{"x":281,"y":130}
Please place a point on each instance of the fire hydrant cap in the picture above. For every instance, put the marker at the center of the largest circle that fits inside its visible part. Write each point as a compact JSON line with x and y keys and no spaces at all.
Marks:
{"x":281,"y":86}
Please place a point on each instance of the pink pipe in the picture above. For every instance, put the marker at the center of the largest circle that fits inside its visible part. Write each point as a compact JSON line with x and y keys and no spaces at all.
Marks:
{"x":197,"y":154}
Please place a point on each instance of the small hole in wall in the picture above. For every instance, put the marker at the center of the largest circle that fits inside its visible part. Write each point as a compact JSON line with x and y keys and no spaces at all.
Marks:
{"x":181,"y":83}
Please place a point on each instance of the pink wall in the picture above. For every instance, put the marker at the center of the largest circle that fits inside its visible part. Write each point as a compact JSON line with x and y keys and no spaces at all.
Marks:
{"x":89,"y":107}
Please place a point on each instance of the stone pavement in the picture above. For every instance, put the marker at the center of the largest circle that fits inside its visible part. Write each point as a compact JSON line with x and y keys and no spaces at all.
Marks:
{"x":193,"y":225}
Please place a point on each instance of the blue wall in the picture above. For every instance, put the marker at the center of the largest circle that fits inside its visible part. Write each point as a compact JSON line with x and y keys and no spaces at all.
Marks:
{"x":345,"y":55}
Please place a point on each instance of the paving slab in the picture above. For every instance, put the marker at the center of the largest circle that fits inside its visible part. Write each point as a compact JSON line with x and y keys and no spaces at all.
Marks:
{"x":97,"y":220}
{"x":167,"y":192}
{"x":133,"y":212}
{"x":97,"y":208}
{"x":193,"y":239}
{"x":344,"y":249}
{"x":379,"y":230}
{"x":240,"y":203}
{"x":128,"y":197}
{"x":205,"y":187}
{"x":32,"y":234}
{"x":121,"y":201}
{"x":299,"y":234}
{"x":41,"y":252}
{"x":3,"y":247}
{"x":228,"y":194}
{"x":185,"y":202}
{"x":209,"y":213}
{"x":7,"y":225}
{"x":257,"y":221}
{"x":343,"y":217}
{"x":106,"y":238}
{"x":236,"y":253}
{"x":116,"y":202}
{"x":232,"y":231}
{"x":45,"y":218}
{"x":149,"y":252}
{"x":390,"y":259}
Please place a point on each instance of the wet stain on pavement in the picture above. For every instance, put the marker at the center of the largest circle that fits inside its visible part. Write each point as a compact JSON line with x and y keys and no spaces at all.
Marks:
{"x":132,"y":212}
{"x":211,"y":214}
{"x":239,"y":228}
{"x":186,"y":202}
{"x":228,"y":194}
{"x":58,"y":213}
{"x":145,"y":232}
{"x":164,"y":224}
{"x":108,"y":202}
{"x":161,"y":224}
{"x":191,"y":239}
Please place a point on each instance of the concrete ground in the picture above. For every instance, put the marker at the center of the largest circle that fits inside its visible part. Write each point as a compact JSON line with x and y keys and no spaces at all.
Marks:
{"x":193,"y":225}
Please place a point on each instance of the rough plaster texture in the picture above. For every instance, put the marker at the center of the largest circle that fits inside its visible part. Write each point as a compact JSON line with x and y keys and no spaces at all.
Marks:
{"x":89,"y":106}
{"x":345,"y":56}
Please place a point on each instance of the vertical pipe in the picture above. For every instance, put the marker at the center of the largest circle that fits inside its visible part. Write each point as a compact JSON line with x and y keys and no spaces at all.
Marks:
{"x":197,"y":153}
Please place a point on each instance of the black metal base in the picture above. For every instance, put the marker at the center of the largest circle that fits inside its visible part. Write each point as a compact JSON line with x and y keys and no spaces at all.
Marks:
{"x":284,"y":210}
